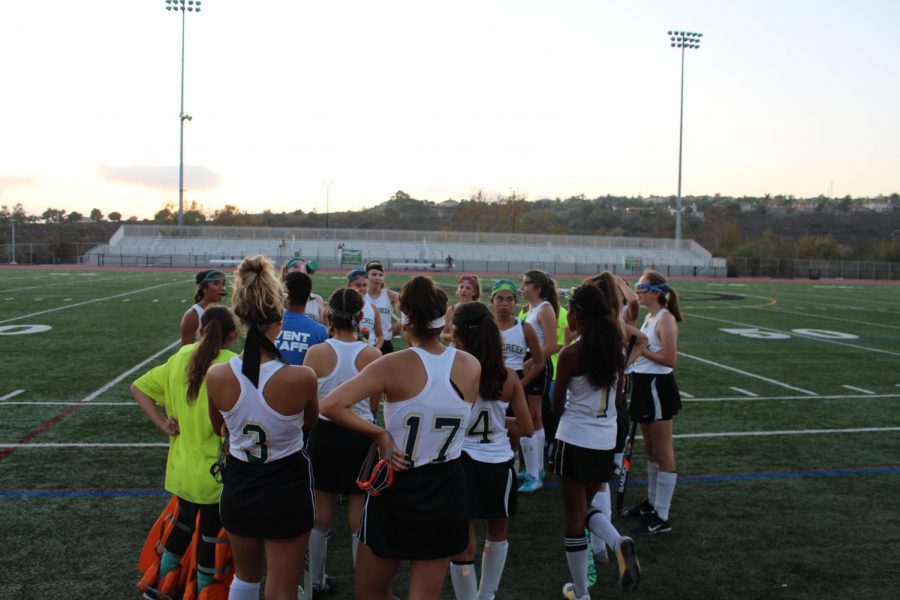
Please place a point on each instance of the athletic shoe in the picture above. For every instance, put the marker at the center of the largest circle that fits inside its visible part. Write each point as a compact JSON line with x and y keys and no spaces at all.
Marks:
{"x":569,"y":593}
{"x":653,"y":524}
{"x":327,"y":586}
{"x":531,"y":485}
{"x":641,"y":510}
{"x":602,"y":557}
{"x":629,"y":568}
{"x":522,"y":475}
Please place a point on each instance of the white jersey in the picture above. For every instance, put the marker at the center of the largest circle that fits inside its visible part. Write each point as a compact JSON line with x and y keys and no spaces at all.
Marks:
{"x":313,"y":305}
{"x":486,"y":437}
{"x":383,"y":304}
{"x":257,"y":433}
{"x":532,"y":319}
{"x":199,"y":310}
{"x":367,"y":324}
{"x":344,"y":369}
{"x":589,"y":418}
{"x":429,"y":426}
{"x":514,"y":346}
{"x":645,"y":365}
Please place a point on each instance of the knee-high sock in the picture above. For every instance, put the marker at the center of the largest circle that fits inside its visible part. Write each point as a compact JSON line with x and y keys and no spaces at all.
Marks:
{"x":652,"y":473}
{"x":603,"y":503}
{"x":493,"y":559}
{"x":665,"y":487}
{"x":541,"y":437}
{"x":243,"y":590}
{"x":354,"y":538}
{"x":602,"y":528}
{"x":530,"y":452}
{"x":318,"y":548}
{"x":465,"y":586}
{"x":576,"y":556}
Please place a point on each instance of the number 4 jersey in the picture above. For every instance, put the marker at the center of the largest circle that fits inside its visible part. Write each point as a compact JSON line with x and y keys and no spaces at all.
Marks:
{"x":431,"y":425}
{"x":486,"y":436}
{"x":257,"y":433}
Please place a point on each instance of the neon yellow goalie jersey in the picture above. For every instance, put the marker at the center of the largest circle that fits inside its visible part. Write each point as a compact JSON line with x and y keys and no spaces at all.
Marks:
{"x":194,"y":450}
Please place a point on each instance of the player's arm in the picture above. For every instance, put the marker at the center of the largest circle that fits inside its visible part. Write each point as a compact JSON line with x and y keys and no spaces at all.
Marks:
{"x":667,"y":331}
{"x":569,"y":357}
{"x":189,"y":324}
{"x":379,"y":330}
{"x":520,"y":423}
{"x":631,"y":301}
{"x":447,"y":332}
{"x":533,"y":366}
{"x":169,"y":426}
{"x":547,"y":322}
{"x":639,"y":344}
{"x":363,"y":360}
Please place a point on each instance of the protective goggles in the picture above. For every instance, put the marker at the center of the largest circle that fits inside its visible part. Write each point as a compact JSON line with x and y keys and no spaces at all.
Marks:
{"x":643,"y":288}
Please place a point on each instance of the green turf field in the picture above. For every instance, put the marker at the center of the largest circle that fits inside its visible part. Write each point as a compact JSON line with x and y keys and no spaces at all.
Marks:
{"x":788,"y":445}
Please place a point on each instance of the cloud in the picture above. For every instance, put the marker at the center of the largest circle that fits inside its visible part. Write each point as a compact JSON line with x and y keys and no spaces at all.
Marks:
{"x":162,"y":178}
{"x":8,"y":181}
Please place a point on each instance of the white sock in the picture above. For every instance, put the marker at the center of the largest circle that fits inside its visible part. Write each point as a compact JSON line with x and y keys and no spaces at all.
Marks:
{"x":602,"y":503}
{"x":652,"y":472}
{"x":576,"y":556}
{"x":465,"y":586}
{"x":665,"y":487}
{"x":354,"y":537}
{"x":602,"y":528}
{"x":318,"y":547}
{"x":541,"y":448}
{"x":493,"y":559}
{"x":532,"y":458}
{"x":243,"y":590}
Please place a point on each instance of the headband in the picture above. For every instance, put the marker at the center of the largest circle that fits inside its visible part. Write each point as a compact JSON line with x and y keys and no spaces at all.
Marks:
{"x":209,"y":276}
{"x":436,"y":324}
{"x":355,"y":274}
{"x":504,"y":285}
{"x":311,"y":265}
{"x":471,"y":279}
{"x":374,"y":264}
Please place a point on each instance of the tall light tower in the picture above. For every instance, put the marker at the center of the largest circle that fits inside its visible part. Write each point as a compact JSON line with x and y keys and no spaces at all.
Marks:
{"x":327,"y":200}
{"x":184,"y":7}
{"x":683,"y":40}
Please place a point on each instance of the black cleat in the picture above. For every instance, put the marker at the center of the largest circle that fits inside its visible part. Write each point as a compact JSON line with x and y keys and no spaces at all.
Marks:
{"x":653,"y":525}
{"x":641,"y":510}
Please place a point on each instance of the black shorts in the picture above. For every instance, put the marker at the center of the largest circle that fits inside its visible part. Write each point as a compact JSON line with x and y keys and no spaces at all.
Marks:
{"x":492,"y":488}
{"x":272,"y":501}
{"x":422,"y":516}
{"x":654,"y":397}
{"x":337,"y":454}
{"x":583,"y":464}
{"x":387,"y":346}
{"x":540,"y":385}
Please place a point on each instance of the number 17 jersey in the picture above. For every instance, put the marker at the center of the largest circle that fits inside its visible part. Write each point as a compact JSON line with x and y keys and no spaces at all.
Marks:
{"x":430,"y":426}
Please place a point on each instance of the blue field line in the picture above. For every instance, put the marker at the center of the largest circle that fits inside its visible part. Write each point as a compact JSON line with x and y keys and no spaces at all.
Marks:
{"x":548,"y":484}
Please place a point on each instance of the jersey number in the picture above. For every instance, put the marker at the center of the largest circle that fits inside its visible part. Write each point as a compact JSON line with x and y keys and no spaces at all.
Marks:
{"x":261,"y":444}
{"x":482,"y":427}
{"x":413,"y":422}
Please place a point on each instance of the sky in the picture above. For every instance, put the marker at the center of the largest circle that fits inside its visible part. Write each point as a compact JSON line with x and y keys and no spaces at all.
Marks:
{"x":333,"y":106}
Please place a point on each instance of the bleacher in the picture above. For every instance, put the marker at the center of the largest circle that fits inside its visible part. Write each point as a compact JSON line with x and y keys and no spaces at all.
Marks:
{"x":146,"y":245}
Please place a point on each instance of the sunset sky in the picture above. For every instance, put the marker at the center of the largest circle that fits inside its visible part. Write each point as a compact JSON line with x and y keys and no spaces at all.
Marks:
{"x":550,"y":99}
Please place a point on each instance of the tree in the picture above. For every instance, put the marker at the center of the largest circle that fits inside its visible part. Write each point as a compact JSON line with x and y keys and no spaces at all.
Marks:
{"x":115,"y":216}
{"x":74,"y":217}
{"x":96,"y":215}
{"x":165,"y":215}
{"x":54,"y":215}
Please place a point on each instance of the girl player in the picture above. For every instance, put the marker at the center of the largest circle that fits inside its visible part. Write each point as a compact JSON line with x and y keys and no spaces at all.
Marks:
{"x":210,"y":290}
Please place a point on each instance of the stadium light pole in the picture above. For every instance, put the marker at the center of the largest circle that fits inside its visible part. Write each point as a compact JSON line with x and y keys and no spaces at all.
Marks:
{"x":682,"y":40}
{"x":327,"y":200}
{"x":12,"y":258}
{"x":185,"y":6}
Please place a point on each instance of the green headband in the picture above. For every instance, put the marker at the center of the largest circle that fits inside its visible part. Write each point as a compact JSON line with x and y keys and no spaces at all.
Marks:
{"x":311,"y":265}
{"x":504,"y":285}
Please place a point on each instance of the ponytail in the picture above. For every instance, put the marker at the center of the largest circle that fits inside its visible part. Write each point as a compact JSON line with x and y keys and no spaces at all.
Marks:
{"x":601,"y":337}
{"x":548,"y":287}
{"x":668,"y":299}
{"x":477,"y":333}
{"x":422,"y":307}
{"x":217,"y":324}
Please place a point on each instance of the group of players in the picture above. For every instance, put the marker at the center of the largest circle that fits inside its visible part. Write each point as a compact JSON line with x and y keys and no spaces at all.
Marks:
{"x":298,"y":411}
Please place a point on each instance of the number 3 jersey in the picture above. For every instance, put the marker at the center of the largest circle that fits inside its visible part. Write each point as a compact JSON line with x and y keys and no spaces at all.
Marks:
{"x":589,"y":418}
{"x":486,"y":436}
{"x":430,"y":426}
{"x":257,"y":433}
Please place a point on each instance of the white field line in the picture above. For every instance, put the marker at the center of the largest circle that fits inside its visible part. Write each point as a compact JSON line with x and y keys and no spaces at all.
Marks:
{"x":684,"y":394}
{"x":745,"y":392}
{"x":819,"y":296}
{"x":791,"y":312}
{"x":778,"y":398}
{"x":858,"y":389}
{"x":717,"y":434}
{"x":122,"y":376}
{"x":747,"y":373}
{"x":50,"y":285}
{"x":11,"y":395}
{"x":784,"y":432}
{"x":50,"y":310}
{"x":801,"y":335}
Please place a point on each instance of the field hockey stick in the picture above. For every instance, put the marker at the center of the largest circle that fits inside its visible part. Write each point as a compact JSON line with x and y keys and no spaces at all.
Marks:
{"x":629,"y":444}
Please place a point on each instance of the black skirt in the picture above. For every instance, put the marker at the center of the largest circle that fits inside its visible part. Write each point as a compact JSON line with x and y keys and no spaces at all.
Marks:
{"x":272,"y":501}
{"x":422,"y":516}
{"x":584,"y":465}
{"x":491,"y":487}
{"x":337,"y":454}
{"x":654,"y":397}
